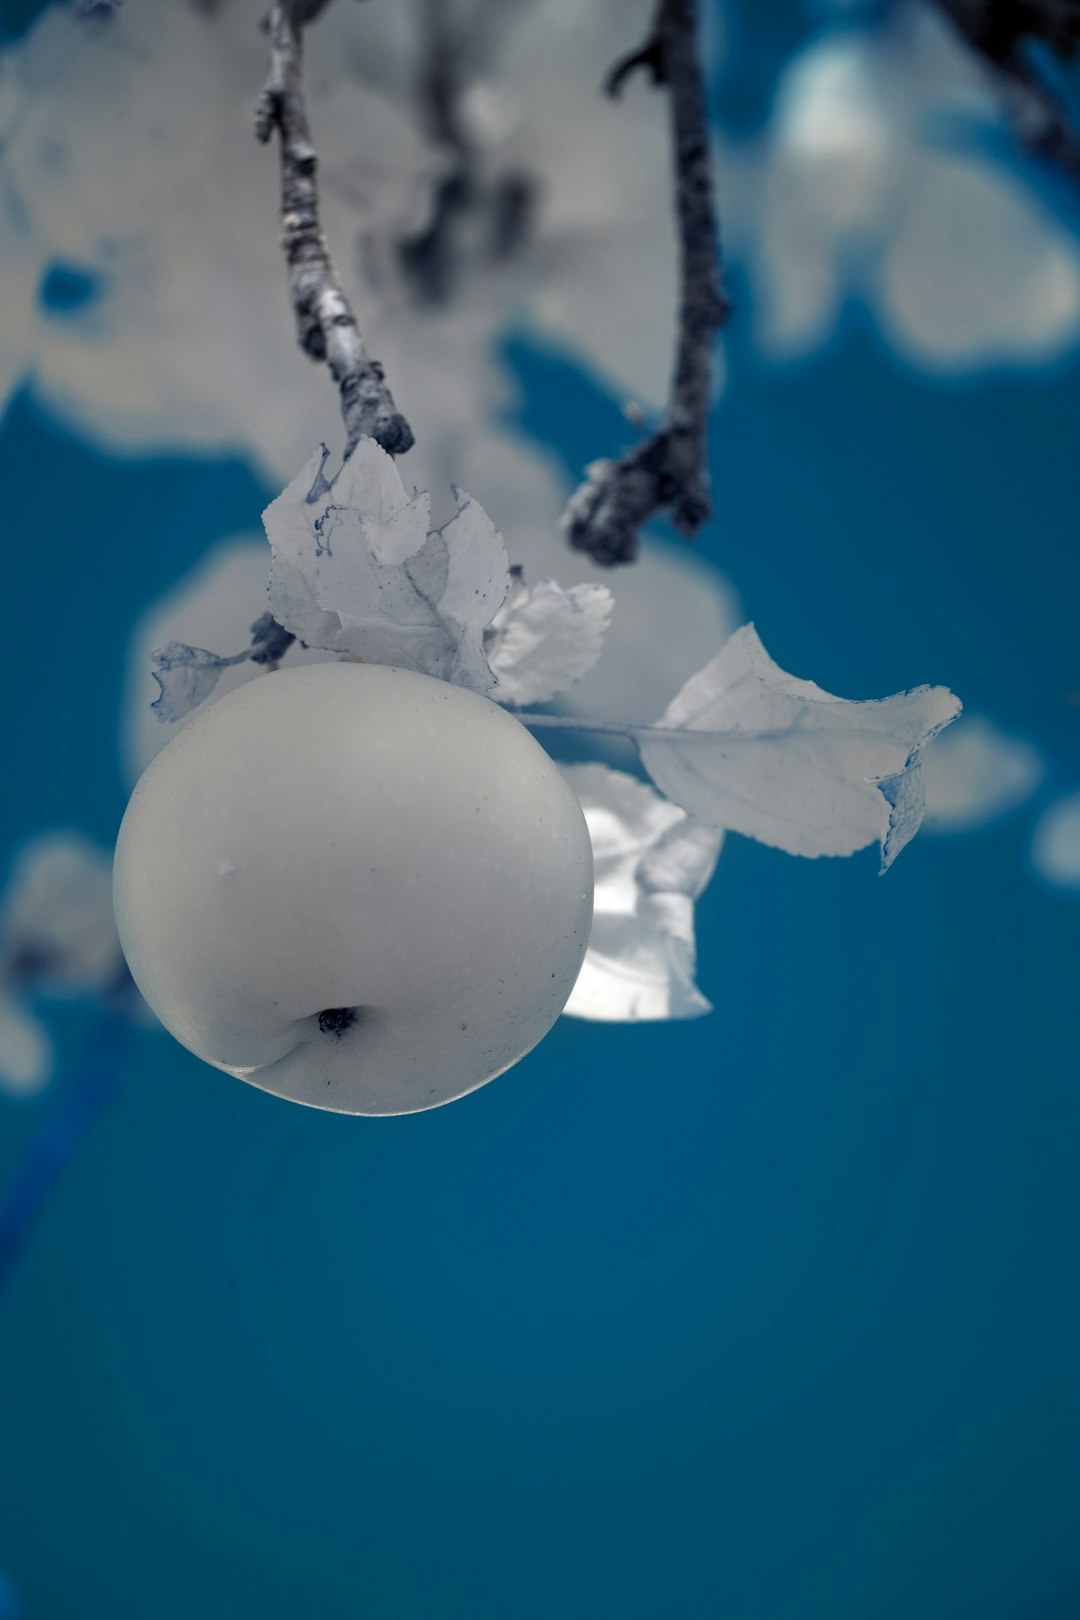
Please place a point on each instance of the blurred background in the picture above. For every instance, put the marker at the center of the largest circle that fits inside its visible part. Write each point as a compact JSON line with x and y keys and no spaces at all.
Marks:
{"x":764,"y":1315}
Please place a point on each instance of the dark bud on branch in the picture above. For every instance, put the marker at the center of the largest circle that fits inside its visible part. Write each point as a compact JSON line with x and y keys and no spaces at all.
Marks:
{"x":270,"y":641}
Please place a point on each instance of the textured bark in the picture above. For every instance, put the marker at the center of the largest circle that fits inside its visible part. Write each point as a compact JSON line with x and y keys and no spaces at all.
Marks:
{"x":326,"y":326}
{"x":669,"y":471}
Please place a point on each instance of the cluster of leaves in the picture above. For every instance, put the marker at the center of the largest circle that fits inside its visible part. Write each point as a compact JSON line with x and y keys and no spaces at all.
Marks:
{"x":358,"y":572}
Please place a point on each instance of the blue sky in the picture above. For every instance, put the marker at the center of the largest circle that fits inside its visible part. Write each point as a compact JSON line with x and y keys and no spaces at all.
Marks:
{"x":766,"y":1316}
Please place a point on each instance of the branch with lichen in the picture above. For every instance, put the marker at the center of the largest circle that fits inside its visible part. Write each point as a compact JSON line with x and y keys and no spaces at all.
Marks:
{"x":999,"y":33}
{"x":669,"y":471}
{"x":326,"y":326}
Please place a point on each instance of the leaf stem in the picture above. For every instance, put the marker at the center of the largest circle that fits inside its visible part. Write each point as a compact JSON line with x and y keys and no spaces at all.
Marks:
{"x":603,"y":728}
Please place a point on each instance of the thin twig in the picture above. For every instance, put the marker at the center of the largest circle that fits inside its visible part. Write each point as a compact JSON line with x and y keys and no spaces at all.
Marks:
{"x":998,"y":31}
{"x":669,"y":471}
{"x":325,"y":324}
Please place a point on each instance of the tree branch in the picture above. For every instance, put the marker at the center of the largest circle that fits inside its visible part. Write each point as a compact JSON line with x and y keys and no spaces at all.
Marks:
{"x":325,"y":324}
{"x":669,"y":471}
{"x":998,"y":31}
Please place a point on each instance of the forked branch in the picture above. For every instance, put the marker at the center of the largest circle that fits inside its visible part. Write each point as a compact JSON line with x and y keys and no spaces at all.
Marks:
{"x":326,"y":326}
{"x":669,"y":471}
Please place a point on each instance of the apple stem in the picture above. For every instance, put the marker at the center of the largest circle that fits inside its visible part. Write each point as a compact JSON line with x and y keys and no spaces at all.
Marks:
{"x":336,"y":1020}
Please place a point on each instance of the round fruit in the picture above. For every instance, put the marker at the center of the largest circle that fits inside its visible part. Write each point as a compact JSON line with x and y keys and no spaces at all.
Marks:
{"x":354,"y":886}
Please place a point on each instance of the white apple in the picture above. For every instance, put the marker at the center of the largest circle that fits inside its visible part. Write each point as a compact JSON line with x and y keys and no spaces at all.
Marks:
{"x":354,"y":886}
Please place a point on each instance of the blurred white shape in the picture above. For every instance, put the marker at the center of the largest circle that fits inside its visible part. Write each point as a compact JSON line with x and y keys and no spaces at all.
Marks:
{"x":871,"y":183}
{"x":129,"y":157}
{"x":975,"y":773}
{"x":601,"y":277}
{"x":26,"y":1053}
{"x":651,"y":861}
{"x":1055,"y":845}
{"x":979,"y":272}
{"x":58,"y":938}
{"x":57,"y":915}
{"x":129,"y":160}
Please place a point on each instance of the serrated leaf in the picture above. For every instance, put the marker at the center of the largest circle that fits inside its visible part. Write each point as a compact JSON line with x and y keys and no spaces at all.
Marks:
{"x":356,"y":570}
{"x":748,"y":747}
{"x":478,"y":578}
{"x":545,"y":638}
{"x":905,"y":795}
{"x":56,"y":923}
{"x":651,"y":861}
{"x":292,"y":523}
{"x":379,"y":614}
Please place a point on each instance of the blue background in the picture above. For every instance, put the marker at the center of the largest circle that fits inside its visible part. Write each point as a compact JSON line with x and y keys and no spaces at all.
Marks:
{"x":765,"y":1317}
